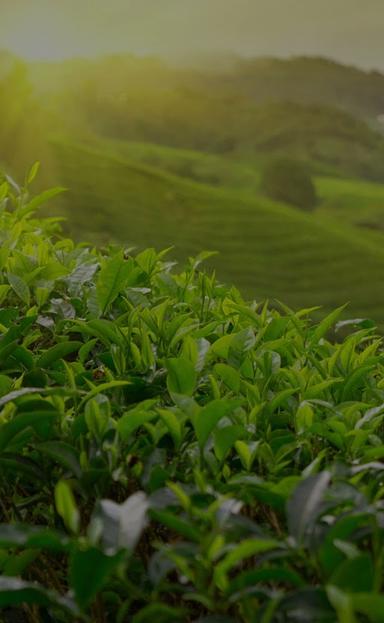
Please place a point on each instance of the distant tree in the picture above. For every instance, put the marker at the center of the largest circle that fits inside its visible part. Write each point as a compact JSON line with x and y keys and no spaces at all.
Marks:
{"x":288,"y":180}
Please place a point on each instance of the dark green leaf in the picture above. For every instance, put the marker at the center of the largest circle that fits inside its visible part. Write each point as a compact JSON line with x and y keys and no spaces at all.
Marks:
{"x":59,"y":351}
{"x":112,"y":279}
{"x":181,"y":376}
{"x":205,"y":421}
{"x":23,"y":421}
{"x":89,"y":570}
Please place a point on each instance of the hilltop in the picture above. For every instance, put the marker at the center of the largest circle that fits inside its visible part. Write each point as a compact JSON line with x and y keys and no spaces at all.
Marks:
{"x":305,"y":80}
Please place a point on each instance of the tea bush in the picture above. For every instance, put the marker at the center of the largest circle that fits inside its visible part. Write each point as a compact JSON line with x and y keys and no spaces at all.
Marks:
{"x":171,"y":452}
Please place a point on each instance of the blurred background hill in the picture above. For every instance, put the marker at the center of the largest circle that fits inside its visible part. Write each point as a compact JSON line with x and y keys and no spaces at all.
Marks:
{"x":173,"y":152}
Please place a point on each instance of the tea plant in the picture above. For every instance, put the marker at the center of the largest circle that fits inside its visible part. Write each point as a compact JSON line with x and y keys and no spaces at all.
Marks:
{"x":170,"y":451}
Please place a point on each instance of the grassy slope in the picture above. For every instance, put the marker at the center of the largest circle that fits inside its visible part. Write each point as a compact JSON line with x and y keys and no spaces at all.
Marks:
{"x":216,"y":170}
{"x":265,"y":248}
{"x":351,"y":201}
{"x":333,"y":142}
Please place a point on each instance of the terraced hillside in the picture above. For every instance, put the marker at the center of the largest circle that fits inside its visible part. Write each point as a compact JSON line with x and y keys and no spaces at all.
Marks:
{"x":265,"y":248}
{"x":350,"y":201}
{"x":353,"y":201}
{"x":242,"y":174}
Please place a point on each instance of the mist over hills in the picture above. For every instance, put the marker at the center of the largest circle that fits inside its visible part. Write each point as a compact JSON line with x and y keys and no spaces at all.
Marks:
{"x":305,"y":80}
{"x":347,"y":30}
{"x":312,"y":108}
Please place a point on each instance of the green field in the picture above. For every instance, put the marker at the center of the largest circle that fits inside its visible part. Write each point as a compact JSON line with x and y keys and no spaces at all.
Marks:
{"x":350,"y":201}
{"x":266,"y":249}
{"x":215,"y":170}
{"x":353,"y":201}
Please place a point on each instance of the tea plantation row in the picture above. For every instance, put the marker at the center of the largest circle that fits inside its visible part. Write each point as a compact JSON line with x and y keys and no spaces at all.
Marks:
{"x":170,"y":452}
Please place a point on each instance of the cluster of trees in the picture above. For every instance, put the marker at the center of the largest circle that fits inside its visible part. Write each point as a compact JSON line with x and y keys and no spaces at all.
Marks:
{"x":289,"y":181}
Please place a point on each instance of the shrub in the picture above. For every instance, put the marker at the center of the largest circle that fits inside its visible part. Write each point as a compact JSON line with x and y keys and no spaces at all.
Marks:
{"x":288,"y":180}
{"x":169,"y":451}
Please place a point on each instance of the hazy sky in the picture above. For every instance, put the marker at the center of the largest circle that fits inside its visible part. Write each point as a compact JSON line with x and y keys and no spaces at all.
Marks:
{"x":349,"y":30}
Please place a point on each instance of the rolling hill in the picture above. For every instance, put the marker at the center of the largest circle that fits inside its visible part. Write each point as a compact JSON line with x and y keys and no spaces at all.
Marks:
{"x":304,"y":80}
{"x":173,"y":157}
{"x":267,"y":249}
{"x":356,"y":202}
{"x":310,"y":108}
{"x":348,"y":200}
